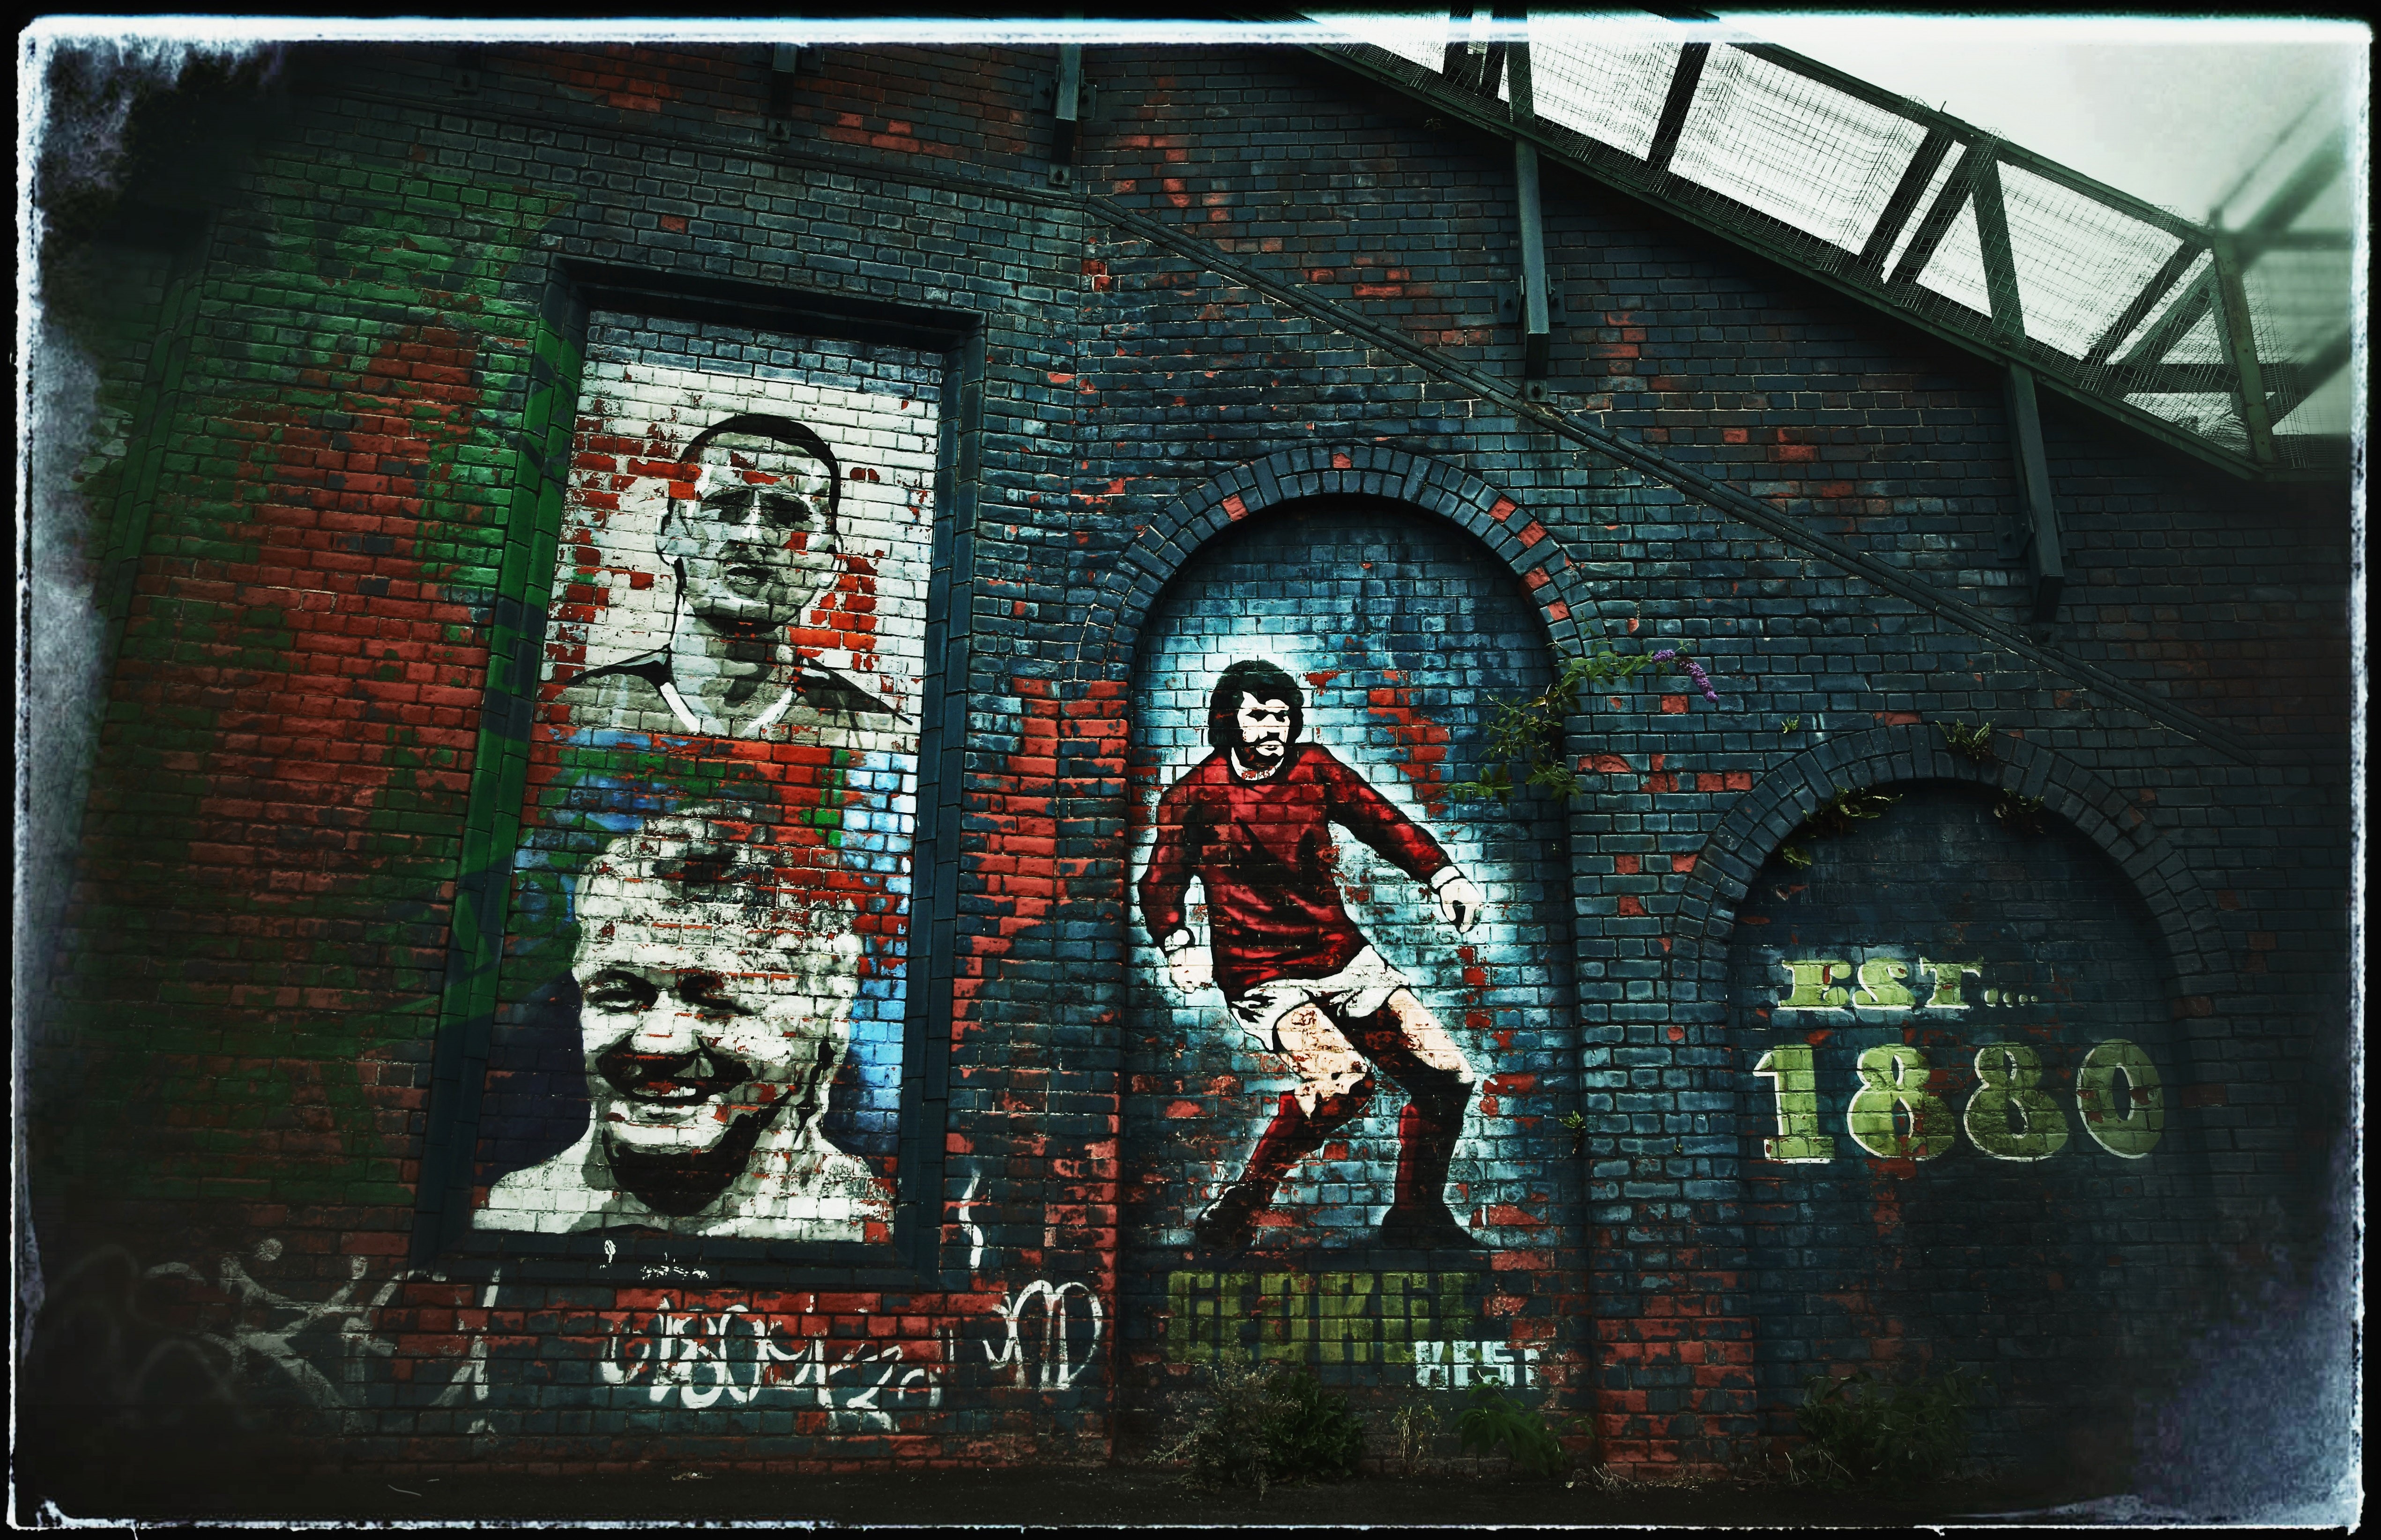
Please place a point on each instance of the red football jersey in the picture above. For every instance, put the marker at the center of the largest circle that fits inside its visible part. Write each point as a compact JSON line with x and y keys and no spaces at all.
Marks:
{"x":1263,"y":851}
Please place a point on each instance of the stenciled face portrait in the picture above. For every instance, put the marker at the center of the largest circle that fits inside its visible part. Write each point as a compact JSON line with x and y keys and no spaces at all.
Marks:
{"x":1265,"y":730}
{"x":715,"y":1009}
{"x":755,"y":543}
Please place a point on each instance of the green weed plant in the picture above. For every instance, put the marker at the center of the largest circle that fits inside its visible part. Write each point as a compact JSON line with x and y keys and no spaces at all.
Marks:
{"x":1971,"y":742}
{"x":1529,"y":733}
{"x":1258,"y":1424}
{"x":1861,"y":1434}
{"x":1844,"y":811}
{"x":1494,"y":1420}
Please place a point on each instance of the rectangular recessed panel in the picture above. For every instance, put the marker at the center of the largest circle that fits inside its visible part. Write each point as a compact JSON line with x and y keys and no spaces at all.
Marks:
{"x":1804,"y":153}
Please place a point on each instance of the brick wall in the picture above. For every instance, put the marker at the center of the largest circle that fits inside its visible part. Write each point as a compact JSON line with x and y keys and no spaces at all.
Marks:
{"x":278,"y":1004}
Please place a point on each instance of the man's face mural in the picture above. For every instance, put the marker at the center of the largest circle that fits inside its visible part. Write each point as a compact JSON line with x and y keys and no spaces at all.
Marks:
{"x":755,"y":543}
{"x":1265,"y":730}
{"x":713,"y":1006}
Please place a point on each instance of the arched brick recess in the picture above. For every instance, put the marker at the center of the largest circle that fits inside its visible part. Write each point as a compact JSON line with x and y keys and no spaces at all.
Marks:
{"x":1104,"y":648}
{"x":1703,"y":922}
{"x":1100,"y":664}
{"x":1704,"y":916}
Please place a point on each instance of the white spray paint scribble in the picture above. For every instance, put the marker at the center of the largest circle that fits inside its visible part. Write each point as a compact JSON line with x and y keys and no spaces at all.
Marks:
{"x":967,"y":1222}
{"x":702,"y":1356}
{"x":1057,"y":1371}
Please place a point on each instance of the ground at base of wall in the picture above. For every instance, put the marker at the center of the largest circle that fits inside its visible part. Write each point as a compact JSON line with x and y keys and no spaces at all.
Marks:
{"x":1113,"y":1494}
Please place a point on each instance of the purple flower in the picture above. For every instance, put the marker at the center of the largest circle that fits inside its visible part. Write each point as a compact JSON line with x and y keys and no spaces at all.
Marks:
{"x":1694,"y":670}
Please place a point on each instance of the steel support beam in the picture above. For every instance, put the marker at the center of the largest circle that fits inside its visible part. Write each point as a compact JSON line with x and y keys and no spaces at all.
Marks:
{"x":1681,"y":100}
{"x":2180,"y":318}
{"x":2290,"y":199}
{"x":1536,"y":306}
{"x":1537,"y":327}
{"x":1939,"y":214}
{"x":2045,"y":561}
{"x":2142,"y":304}
{"x":1825,"y":262}
{"x":2000,"y":264}
{"x":1066,"y":108}
{"x":2240,"y":349}
{"x":1460,"y":67}
{"x":1889,"y":224}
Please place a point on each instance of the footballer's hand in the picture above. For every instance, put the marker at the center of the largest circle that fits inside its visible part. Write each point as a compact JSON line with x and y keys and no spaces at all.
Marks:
{"x":1191,"y":967}
{"x":1460,"y":904}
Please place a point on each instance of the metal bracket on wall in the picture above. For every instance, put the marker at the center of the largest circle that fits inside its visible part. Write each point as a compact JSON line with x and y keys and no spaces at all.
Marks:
{"x":787,"y":63}
{"x":1535,"y":304}
{"x":1509,"y":299}
{"x":467,"y":71}
{"x":1067,"y":99}
{"x":2036,"y":538}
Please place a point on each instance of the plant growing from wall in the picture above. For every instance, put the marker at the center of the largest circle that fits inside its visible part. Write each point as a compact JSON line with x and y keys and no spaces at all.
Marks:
{"x":1842,"y":812}
{"x":1494,"y":1420}
{"x":2020,"y":815}
{"x":1529,"y":733}
{"x":1257,"y":1424}
{"x":1860,"y":1434}
{"x":1972,"y":743}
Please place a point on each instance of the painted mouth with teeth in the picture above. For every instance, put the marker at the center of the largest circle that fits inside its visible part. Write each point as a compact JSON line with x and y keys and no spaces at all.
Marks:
{"x":672,"y":1080}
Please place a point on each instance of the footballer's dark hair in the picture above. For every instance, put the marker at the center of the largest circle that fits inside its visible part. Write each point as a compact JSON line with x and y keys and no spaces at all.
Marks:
{"x":1261,"y":680}
{"x":793,"y":435}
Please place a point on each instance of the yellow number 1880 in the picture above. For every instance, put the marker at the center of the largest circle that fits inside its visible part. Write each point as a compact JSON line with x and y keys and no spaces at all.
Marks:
{"x":1896,"y":1115}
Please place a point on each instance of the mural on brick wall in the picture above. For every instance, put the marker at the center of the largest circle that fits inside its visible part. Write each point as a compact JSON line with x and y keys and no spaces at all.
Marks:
{"x":1252,"y":823}
{"x":1351,"y":1042}
{"x":1955,"y":1050}
{"x":712,"y":886}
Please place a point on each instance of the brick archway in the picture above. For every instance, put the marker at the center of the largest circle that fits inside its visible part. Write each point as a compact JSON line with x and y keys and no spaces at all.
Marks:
{"x":1104,"y":648}
{"x":1703,"y":920}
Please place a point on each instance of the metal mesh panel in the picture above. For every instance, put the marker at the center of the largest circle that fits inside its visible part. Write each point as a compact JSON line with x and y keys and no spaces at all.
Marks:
{"x":1420,"y":39}
{"x":1595,"y":80}
{"x":2079,"y":262}
{"x":2212,"y":417}
{"x":1802,"y":165}
{"x":1956,"y":270}
{"x":2179,"y":294}
{"x":1802,"y":153}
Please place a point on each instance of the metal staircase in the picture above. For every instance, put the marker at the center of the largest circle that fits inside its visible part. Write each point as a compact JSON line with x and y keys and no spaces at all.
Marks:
{"x":2229,"y":343}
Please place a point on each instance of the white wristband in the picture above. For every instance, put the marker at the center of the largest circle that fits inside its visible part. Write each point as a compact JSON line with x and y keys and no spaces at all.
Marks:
{"x":1446,"y":874}
{"x":1175,"y":942}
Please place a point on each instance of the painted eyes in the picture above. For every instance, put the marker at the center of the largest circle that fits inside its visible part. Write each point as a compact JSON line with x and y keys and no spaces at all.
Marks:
{"x":618,"y":991}
{"x":778,"y":510}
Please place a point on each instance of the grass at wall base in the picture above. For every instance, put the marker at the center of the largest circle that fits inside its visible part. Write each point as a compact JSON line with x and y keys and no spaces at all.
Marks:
{"x":1257,"y":1424}
{"x":1860,"y":1434}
